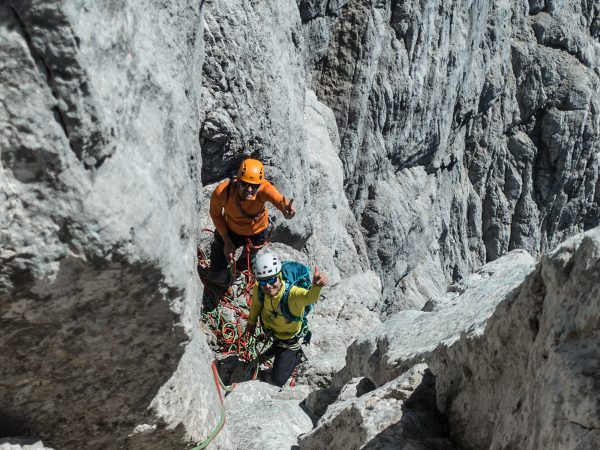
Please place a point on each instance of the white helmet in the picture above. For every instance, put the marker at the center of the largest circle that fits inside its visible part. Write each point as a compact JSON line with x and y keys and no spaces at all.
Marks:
{"x":266,"y":265}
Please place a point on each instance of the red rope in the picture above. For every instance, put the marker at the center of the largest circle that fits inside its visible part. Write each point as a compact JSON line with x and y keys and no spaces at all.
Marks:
{"x":230,"y":336}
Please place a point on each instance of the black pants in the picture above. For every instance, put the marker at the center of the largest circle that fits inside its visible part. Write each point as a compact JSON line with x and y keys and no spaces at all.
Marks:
{"x":286,"y":360}
{"x":218,"y":262}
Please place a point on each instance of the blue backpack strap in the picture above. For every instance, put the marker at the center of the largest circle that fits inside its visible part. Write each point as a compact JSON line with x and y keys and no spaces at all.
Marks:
{"x":294,"y":274}
{"x":285,"y":307}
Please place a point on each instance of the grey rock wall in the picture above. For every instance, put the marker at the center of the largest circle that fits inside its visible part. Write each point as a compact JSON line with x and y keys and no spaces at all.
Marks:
{"x":402,"y":341}
{"x":418,"y":139}
{"x":254,"y":84}
{"x":467,"y":129}
{"x":537,"y":360}
{"x":16,"y":444}
{"x":514,"y":351}
{"x":263,"y":416}
{"x":399,"y":414}
{"x":99,"y":118}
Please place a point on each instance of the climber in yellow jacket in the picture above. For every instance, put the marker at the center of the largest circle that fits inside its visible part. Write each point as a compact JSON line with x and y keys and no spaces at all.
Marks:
{"x":286,"y":334}
{"x":238,"y":211}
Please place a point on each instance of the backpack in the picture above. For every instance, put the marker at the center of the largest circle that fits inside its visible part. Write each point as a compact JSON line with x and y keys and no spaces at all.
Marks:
{"x":294,"y":274}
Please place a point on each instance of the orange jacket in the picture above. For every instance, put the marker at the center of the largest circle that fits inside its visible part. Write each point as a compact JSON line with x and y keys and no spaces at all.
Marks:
{"x":230,"y":213}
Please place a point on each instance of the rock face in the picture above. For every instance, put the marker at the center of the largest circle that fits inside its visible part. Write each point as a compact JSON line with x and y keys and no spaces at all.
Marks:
{"x":254,"y":86}
{"x":345,"y":311}
{"x":16,"y":444}
{"x":388,"y":350}
{"x":420,"y":141}
{"x":467,"y":129}
{"x":531,"y":379}
{"x":99,"y":172}
{"x":514,"y":358}
{"x":257,"y":104}
{"x":400,"y":414}
{"x":262,"y":416}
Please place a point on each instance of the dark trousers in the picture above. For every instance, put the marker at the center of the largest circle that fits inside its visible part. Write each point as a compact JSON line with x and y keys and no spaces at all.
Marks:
{"x":218,"y":262}
{"x":286,"y":360}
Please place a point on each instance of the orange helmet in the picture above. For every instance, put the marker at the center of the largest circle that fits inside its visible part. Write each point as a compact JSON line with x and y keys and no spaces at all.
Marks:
{"x":251,"y":171}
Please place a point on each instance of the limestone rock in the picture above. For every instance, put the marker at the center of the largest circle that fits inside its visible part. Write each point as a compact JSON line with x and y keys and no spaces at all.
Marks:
{"x":345,"y":311}
{"x":410,"y":337}
{"x":436,"y":137}
{"x":20,"y":444}
{"x":253,"y":90}
{"x":466,"y":130}
{"x":98,"y":181}
{"x":514,"y":351}
{"x":530,"y":379}
{"x":262,"y":416}
{"x":336,"y":242}
{"x":399,"y":414}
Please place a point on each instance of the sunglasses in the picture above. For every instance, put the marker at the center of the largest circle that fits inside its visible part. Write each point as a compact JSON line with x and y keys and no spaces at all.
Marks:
{"x":247,"y":185}
{"x":270,"y":281}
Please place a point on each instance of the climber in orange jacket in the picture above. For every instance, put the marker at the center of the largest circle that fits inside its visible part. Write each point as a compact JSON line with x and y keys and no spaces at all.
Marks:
{"x":238,"y":210}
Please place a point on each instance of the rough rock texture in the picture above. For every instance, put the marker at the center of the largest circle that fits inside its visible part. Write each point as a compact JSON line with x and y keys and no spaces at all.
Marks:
{"x":345,"y":311}
{"x":514,"y":350}
{"x":399,"y":414}
{"x":262,"y":416}
{"x":467,"y":128}
{"x":253,"y":92}
{"x":531,"y":379}
{"x":17,"y":444}
{"x":98,"y":179}
{"x":256,"y":104}
{"x":336,"y":242}
{"x":457,"y":131}
{"x":408,"y":337}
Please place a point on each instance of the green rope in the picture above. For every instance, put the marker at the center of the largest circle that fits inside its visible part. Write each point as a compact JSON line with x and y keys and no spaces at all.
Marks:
{"x":221,"y":422}
{"x":213,"y":433}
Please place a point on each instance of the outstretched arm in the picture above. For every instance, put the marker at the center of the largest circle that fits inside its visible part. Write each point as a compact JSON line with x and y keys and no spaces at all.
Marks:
{"x":302,"y":297}
{"x":271,"y":194}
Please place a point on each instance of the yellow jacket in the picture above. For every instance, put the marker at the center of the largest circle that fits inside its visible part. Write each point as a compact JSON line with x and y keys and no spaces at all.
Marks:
{"x":270,"y":312}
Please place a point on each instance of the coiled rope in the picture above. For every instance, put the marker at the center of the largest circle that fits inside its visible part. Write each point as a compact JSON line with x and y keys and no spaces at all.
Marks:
{"x":229,"y":334}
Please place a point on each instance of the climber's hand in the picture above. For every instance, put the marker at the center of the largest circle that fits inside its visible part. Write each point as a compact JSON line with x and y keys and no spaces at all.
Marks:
{"x":288,"y":210}
{"x":320,"y":278}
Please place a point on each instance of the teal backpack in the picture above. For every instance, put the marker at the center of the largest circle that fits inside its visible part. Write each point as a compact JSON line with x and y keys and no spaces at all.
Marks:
{"x":294,"y":274}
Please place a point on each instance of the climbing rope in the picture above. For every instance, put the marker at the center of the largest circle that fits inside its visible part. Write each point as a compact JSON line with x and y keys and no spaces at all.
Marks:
{"x":221,"y":423}
{"x":231,"y":307}
{"x":228,"y":330}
